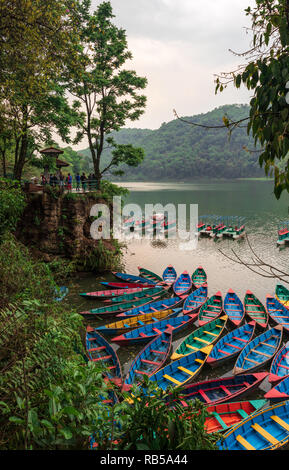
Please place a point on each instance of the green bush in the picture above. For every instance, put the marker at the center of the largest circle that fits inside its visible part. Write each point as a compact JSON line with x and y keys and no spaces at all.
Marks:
{"x":12,"y":204}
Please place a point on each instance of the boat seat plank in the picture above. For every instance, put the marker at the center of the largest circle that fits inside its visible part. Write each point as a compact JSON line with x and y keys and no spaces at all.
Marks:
{"x":187,"y":371}
{"x":101,"y":358}
{"x":196,"y":338}
{"x":219,"y":419}
{"x":280,"y":421}
{"x":264,"y":433}
{"x":171,"y":379}
{"x":146,"y":361}
{"x":210,"y":333}
{"x":244,"y":443}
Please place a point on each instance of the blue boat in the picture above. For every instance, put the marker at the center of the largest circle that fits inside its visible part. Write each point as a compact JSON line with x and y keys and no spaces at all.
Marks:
{"x":259,"y":351}
{"x":183,"y":284}
{"x":123,"y":326}
{"x":152,"y":307}
{"x":148,"y":332}
{"x":183,"y":370}
{"x":279,"y":393}
{"x":150,"y":359}
{"x":170,"y":275}
{"x":99,"y":350}
{"x":234,"y":308}
{"x":195,"y":300}
{"x":132,"y":278}
{"x":280,"y":365}
{"x":277,"y":311}
{"x":267,"y":429}
{"x":230,"y":345}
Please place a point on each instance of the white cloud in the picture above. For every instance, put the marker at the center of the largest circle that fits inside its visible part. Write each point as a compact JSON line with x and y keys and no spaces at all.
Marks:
{"x":179,"y":45}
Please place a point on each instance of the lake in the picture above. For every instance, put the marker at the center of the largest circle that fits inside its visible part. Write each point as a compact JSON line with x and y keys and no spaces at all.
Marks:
{"x":251,"y":199}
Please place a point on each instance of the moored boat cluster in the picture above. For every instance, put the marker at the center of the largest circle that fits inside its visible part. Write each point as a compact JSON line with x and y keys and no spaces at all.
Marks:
{"x":151,"y":310}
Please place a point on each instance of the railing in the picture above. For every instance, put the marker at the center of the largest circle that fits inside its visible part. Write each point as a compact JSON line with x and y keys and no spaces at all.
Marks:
{"x":82,"y":186}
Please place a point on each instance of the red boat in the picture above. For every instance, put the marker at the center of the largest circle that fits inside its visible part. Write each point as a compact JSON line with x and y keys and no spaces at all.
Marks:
{"x":226,"y":415}
{"x":125,"y":285}
{"x":107,"y":294}
{"x":222,"y":389}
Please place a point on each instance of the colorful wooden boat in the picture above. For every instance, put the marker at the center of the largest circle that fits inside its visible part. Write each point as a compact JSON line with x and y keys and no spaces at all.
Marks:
{"x":282,"y":295}
{"x":123,"y":326}
{"x":267,"y":429}
{"x":195,"y":300}
{"x":183,"y":370}
{"x":206,"y":335}
{"x":283,"y":234}
{"x":222,"y":389}
{"x":199,"y":277}
{"x":279,"y":393}
{"x":211,"y":309}
{"x":110,"y":294}
{"x":116,"y":309}
{"x":124,"y":285}
{"x":255,"y":309}
{"x":99,"y":350}
{"x":258,"y":352}
{"x":230,"y":345}
{"x":125,"y":277}
{"x":234,"y":308}
{"x":277,"y":312}
{"x":170,"y":275}
{"x":145,"y":293}
{"x":151,"y":307}
{"x":280,"y":365}
{"x":218,"y":230}
{"x":148,"y":332}
{"x":183,"y":284}
{"x":226,"y":415}
{"x":150,"y":359}
{"x":151,"y":276}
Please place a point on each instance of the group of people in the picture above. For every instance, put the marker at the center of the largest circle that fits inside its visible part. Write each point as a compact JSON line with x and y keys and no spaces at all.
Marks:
{"x":66,"y":182}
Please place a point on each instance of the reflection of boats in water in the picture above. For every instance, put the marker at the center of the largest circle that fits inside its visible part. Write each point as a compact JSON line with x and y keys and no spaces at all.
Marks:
{"x":157,"y":223}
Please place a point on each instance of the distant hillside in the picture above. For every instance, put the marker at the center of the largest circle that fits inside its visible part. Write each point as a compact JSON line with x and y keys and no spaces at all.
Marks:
{"x":179,"y":151}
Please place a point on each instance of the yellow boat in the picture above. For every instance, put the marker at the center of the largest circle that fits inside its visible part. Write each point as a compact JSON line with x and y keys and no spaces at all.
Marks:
{"x":122,"y":326}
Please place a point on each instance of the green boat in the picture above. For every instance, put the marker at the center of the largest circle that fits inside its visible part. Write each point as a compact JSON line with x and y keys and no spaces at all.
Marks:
{"x":211,"y":309}
{"x":199,"y":277}
{"x":115,"y":309}
{"x":255,"y":309}
{"x":159,"y":290}
{"x":150,"y":275}
{"x":204,"y":336}
{"x":282,"y":295}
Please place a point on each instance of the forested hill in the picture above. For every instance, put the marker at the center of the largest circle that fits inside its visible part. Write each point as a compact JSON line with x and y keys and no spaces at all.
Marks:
{"x":179,"y":151}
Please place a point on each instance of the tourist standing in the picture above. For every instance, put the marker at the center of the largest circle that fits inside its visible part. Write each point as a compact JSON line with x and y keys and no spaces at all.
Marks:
{"x":77,"y":182}
{"x":83,"y":182}
{"x":69,"y":182}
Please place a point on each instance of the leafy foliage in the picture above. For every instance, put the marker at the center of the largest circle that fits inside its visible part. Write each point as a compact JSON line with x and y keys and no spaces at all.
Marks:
{"x":177,"y":151}
{"x":12,"y":203}
{"x":106,"y":95}
{"x":267,"y":74}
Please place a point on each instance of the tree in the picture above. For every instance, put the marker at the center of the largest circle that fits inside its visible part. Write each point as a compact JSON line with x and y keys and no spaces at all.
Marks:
{"x":106,"y":94}
{"x":35,"y":39}
{"x":266,"y":74}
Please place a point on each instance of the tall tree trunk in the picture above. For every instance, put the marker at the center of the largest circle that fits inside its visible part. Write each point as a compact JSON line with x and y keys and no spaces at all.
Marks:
{"x":21,"y":157}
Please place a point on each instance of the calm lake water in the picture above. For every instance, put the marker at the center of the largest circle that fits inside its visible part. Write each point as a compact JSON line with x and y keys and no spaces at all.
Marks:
{"x":251,"y":199}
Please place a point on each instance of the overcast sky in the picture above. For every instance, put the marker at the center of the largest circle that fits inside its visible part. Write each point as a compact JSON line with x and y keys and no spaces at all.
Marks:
{"x":179,"y":45}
